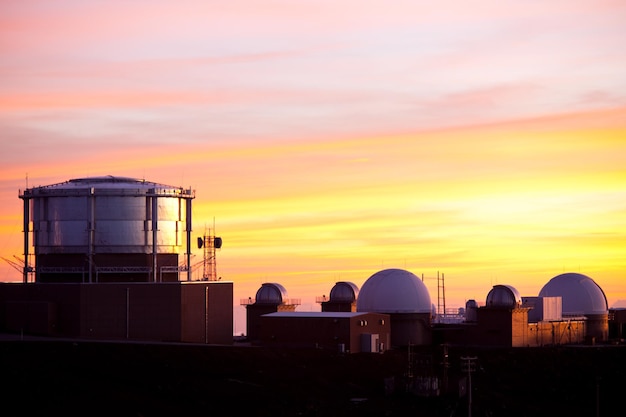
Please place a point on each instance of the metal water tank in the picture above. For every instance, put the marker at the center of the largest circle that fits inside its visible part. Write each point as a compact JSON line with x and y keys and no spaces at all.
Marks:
{"x":107,"y":229}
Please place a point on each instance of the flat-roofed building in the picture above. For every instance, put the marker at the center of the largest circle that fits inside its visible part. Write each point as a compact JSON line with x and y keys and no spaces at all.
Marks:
{"x":344,"y":331}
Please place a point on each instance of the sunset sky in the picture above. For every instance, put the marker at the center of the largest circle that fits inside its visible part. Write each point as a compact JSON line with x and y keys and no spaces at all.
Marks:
{"x":328,"y":140}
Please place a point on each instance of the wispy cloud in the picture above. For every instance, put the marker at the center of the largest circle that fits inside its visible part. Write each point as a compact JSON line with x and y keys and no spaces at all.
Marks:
{"x":331,"y":138}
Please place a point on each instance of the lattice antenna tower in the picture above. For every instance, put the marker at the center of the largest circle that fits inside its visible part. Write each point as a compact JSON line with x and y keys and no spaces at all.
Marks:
{"x":441,"y":295}
{"x":209,"y":243}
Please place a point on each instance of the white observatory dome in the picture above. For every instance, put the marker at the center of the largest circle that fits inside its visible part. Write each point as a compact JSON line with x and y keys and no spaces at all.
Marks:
{"x":344,"y":291}
{"x":271,"y":293}
{"x":580,"y":294}
{"x":394,"y":291}
{"x":503,"y":296}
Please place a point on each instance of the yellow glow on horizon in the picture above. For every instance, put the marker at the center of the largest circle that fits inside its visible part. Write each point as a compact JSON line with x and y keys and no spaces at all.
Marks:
{"x":513,"y":203}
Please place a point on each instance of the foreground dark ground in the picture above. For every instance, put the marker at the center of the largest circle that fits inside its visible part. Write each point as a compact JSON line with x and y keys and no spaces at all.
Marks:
{"x":114,"y":379}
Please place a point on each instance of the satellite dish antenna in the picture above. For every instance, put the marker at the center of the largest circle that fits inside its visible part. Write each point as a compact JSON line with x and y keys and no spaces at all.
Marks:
{"x":218,"y":242}
{"x":200,"y":242}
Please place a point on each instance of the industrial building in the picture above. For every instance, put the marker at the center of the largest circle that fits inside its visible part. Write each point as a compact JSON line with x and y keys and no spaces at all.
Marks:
{"x":570,"y":309}
{"x":343,"y":297}
{"x":273,"y":321}
{"x":110,"y":259}
{"x":351,"y":332}
{"x":582,"y":298}
{"x":405,"y":298}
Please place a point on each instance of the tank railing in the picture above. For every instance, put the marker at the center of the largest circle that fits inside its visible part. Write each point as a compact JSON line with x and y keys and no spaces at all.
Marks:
{"x":291,"y":301}
{"x":321,"y":299}
{"x":179,"y":268}
{"x":60,"y":269}
{"x":65,"y":192}
{"x":171,"y":269}
{"x":170,"y":191}
{"x":122,"y":270}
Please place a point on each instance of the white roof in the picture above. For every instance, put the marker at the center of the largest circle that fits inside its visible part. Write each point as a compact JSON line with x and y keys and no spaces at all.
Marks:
{"x":328,"y":314}
{"x":107,"y":181}
{"x":394,"y":291}
{"x":580,"y":294}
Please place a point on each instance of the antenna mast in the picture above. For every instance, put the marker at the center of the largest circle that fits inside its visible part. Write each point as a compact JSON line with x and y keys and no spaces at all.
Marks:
{"x":210,"y":243}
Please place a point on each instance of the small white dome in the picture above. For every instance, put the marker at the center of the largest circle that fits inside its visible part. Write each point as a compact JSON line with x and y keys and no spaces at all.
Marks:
{"x":580,"y":294}
{"x":271,"y":293}
{"x":394,"y":291}
{"x":344,"y":291}
{"x":503,"y":296}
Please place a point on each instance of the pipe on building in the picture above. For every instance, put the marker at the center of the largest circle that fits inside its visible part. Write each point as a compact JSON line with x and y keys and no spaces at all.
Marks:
{"x":188,"y":231}
{"x":155,"y":215}
{"x":26,"y":233}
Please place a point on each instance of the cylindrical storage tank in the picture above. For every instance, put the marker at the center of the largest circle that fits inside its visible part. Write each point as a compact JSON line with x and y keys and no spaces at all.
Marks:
{"x":471,"y":307}
{"x":108,"y":229}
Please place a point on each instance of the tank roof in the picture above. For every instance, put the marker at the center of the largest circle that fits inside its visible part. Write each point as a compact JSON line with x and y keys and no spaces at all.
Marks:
{"x":316,"y":314}
{"x":108,"y":184}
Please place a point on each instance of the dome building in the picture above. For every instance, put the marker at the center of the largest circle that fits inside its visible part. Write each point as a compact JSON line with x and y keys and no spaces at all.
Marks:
{"x":504,"y":296}
{"x":502,"y":321}
{"x":271,"y":294}
{"x":108,"y":257}
{"x":270,"y":298}
{"x":343,"y":298}
{"x":581,"y":297}
{"x":405,"y":298}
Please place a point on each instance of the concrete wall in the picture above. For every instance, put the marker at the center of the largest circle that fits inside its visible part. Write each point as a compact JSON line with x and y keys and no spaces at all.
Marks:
{"x":410,"y":328}
{"x":502,"y":327}
{"x":207,"y":312}
{"x":325,"y":331}
{"x":545,"y":333}
{"x":199,"y":312}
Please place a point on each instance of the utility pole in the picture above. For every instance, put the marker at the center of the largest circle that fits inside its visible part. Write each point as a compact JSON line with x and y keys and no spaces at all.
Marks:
{"x":445,"y":364}
{"x":597,"y":396}
{"x":469,"y":365}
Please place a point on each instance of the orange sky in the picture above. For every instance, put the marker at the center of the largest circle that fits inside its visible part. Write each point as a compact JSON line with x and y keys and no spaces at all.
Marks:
{"x":512,"y":203}
{"x":329,"y":140}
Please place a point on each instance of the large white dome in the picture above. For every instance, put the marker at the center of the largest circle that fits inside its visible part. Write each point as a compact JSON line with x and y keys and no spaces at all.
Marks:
{"x":393,"y":291}
{"x":580,"y":294}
